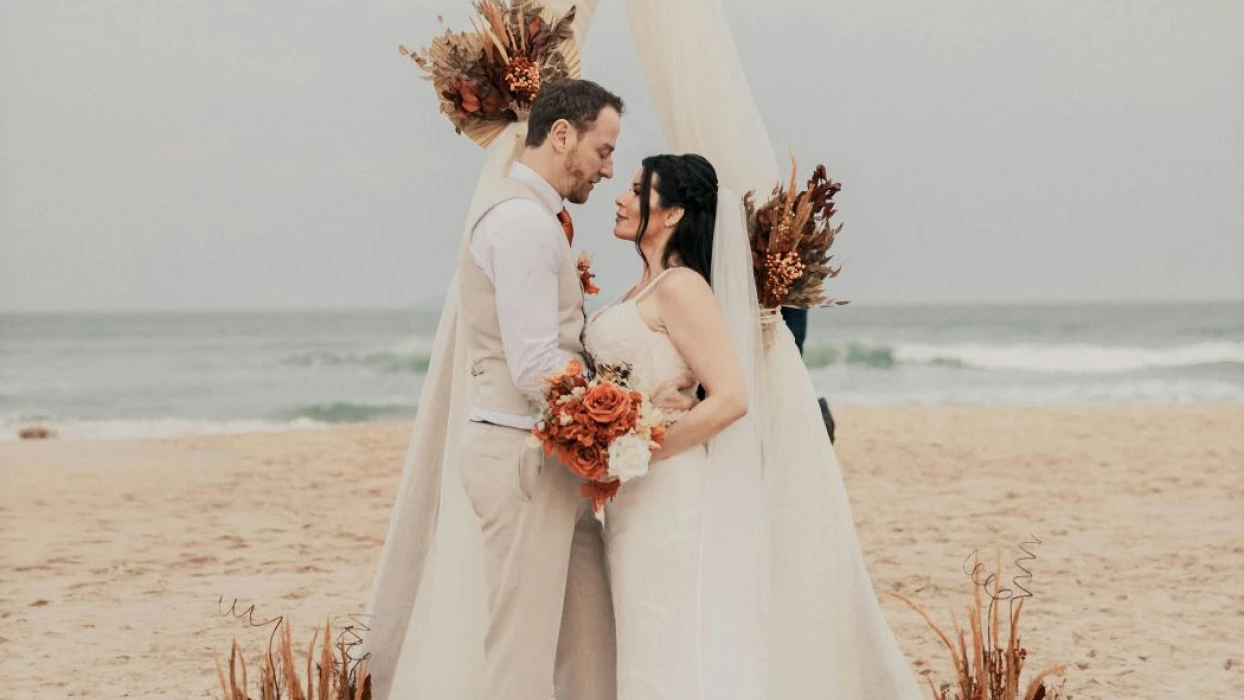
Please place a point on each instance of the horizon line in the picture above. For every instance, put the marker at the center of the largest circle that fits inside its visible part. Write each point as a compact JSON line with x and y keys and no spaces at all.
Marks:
{"x":434,"y":305}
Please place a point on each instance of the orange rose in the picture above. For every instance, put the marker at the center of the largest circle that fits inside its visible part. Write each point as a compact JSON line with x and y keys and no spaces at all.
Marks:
{"x":588,"y":461}
{"x":581,"y":430}
{"x":622,"y":425}
{"x":606,"y":403}
{"x":579,"y":412}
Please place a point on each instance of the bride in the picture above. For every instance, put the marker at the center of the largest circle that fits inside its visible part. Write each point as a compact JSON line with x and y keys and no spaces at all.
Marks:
{"x":706,"y":605}
{"x":666,"y":327}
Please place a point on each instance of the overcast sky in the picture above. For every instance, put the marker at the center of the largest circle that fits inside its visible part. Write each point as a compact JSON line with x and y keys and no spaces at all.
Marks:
{"x":224,"y":154}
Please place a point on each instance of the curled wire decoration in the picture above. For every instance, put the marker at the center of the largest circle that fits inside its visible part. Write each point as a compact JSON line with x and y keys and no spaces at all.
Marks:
{"x":350,"y":639}
{"x":1022,"y":564}
{"x":990,"y":583}
{"x":248,"y":616}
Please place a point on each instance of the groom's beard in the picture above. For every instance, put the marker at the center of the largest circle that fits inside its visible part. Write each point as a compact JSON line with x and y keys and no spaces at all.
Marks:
{"x":582,"y":188}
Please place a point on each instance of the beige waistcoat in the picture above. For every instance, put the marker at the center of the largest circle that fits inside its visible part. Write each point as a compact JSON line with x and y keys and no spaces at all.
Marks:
{"x":492,"y":386}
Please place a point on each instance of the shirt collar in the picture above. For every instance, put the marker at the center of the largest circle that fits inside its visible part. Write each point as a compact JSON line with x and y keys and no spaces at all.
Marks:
{"x":532,"y":179}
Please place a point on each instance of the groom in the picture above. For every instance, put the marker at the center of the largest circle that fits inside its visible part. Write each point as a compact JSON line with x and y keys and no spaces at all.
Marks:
{"x":550,"y":612}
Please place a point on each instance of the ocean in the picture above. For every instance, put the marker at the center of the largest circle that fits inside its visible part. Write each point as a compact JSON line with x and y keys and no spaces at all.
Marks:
{"x":167,"y":374}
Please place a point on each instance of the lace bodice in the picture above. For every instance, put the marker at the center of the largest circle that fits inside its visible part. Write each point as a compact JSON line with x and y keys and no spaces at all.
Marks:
{"x":618,"y":334}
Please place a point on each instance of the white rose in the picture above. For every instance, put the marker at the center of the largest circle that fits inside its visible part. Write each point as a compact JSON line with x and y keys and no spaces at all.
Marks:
{"x":628,"y":457}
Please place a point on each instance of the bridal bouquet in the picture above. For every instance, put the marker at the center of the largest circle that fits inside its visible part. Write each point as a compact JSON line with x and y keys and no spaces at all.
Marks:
{"x":488,"y":78}
{"x":598,"y":427}
{"x":791,"y":236}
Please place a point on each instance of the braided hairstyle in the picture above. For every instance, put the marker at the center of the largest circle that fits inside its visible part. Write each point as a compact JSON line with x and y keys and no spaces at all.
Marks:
{"x":688,"y":181}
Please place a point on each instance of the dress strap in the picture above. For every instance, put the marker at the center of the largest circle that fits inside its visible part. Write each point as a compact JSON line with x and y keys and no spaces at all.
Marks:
{"x":651,"y":285}
{"x":615,"y":301}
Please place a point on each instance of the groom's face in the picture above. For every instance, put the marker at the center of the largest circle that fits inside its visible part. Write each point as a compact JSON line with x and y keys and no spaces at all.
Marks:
{"x":590,"y":156}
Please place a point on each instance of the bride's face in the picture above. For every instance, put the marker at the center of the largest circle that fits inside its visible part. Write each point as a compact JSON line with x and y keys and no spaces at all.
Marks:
{"x":626,"y":224}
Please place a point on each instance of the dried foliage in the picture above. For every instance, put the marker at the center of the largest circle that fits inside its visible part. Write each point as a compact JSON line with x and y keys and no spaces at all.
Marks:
{"x":329,"y":673}
{"x":986,"y":658}
{"x":488,"y":77}
{"x":791,"y":235}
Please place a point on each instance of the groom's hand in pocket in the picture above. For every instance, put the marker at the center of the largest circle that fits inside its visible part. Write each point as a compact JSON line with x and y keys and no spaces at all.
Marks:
{"x":676,"y":394}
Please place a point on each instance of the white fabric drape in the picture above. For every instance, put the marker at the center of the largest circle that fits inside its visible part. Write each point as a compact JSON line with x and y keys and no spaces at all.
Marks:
{"x":732,"y":541}
{"x":427,"y":613}
{"x":825,"y":634}
{"x":699,"y":89}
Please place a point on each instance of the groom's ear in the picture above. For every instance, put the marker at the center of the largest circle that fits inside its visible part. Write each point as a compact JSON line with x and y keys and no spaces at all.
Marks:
{"x":562,"y":134}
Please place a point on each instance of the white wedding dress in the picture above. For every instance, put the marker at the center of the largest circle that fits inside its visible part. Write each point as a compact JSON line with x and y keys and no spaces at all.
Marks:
{"x":681,"y":568}
{"x":653,"y":526}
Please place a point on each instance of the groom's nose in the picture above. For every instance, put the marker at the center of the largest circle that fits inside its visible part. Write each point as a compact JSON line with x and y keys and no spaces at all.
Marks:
{"x":607,"y":171}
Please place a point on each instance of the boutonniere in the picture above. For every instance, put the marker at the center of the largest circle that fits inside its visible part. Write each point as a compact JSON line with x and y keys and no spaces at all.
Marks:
{"x":585,"y":273}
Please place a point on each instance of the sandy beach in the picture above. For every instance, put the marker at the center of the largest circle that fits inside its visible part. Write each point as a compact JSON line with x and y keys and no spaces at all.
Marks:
{"x":115,"y":553}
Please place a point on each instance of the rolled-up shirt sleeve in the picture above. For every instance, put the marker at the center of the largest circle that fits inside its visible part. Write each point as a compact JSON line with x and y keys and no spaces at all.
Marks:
{"x":516,"y":246}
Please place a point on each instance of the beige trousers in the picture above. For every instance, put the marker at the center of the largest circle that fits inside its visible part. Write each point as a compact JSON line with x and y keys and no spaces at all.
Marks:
{"x":551,"y":627}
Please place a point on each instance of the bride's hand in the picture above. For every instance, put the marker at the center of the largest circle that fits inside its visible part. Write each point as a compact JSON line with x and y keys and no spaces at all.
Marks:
{"x":675,"y":395}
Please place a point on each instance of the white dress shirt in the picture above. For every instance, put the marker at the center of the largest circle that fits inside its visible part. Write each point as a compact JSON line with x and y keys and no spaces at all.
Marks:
{"x":521,"y":249}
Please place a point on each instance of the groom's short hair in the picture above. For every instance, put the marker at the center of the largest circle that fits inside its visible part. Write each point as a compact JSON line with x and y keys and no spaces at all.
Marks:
{"x":577,"y":101}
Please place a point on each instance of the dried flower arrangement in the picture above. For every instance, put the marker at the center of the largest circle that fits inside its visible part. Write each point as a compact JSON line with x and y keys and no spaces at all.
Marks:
{"x":488,"y":78}
{"x":338,"y":674}
{"x":791,"y":236}
{"x":984,"y":668}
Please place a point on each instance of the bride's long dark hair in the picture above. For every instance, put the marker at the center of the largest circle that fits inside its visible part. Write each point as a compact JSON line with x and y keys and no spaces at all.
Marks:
{"x":688,"y":181}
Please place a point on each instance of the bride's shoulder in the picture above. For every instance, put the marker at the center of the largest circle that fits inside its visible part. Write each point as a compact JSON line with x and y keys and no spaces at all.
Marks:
{"x":683,"y":286}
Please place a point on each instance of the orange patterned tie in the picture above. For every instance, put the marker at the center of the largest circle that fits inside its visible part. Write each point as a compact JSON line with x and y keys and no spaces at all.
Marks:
{"x":567,"y":225}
